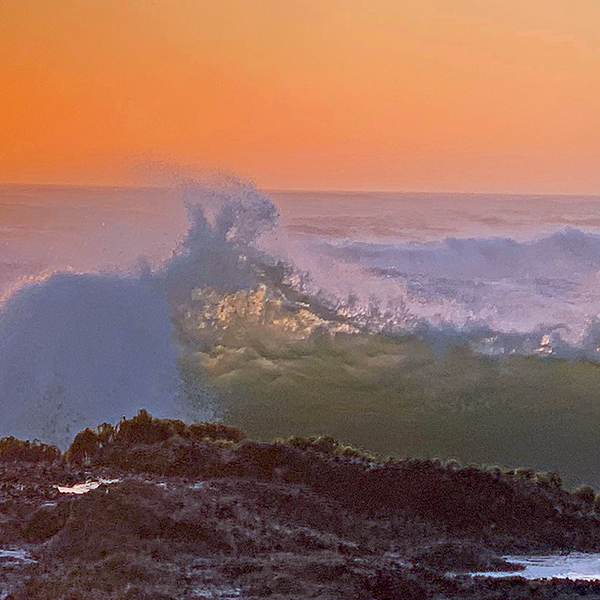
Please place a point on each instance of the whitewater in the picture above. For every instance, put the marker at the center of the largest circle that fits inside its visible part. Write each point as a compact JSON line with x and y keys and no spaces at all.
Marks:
{"x":90,"y":278}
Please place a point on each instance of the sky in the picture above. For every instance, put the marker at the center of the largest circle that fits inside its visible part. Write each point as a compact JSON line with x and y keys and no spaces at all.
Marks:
{"x":412,"y":95}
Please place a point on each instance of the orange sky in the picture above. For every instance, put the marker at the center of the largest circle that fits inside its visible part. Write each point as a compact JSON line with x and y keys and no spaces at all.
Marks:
{"x":451,"y":95}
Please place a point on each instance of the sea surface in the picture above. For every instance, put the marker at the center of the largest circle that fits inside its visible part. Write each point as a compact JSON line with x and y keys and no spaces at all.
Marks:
{"x":518,"y":264}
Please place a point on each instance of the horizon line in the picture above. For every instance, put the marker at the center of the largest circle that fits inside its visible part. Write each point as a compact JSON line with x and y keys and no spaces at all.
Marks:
{"x":113,"y":186}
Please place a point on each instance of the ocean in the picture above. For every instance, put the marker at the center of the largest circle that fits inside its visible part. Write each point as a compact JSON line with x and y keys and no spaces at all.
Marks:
{"x":437,"y":304}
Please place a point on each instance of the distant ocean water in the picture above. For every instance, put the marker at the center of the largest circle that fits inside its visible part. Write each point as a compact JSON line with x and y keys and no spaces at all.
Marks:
{"x":47,"y":228}
{"x":518,"y":264}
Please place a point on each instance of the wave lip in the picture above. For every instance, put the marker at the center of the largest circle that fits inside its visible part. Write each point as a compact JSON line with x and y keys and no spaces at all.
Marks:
{"x":511,"y":286}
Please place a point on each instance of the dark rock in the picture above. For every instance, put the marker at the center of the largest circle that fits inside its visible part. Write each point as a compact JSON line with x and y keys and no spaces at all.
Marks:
{"x":46,"y":522}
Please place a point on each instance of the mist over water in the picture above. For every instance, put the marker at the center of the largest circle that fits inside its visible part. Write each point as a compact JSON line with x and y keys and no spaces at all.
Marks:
{"x":95,"y":339}
{"x":77,"y":349}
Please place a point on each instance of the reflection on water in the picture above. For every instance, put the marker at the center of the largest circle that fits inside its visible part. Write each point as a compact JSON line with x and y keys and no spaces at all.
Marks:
{"x":566,"y":566}
{"x":14,"y":555}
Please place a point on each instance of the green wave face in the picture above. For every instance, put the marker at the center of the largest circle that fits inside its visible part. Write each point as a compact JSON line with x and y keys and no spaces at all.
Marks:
{"x":396,"y":397}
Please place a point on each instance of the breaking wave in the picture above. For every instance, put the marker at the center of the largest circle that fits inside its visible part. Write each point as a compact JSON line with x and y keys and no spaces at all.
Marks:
{"x":80,"y":348}
{"x":77,"y":349}
{"x":502,"y":295}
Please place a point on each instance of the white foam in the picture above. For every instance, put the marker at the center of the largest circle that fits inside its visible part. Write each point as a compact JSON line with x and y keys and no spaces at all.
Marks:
{"x":576,"y":565}
{"x":85,"y":487}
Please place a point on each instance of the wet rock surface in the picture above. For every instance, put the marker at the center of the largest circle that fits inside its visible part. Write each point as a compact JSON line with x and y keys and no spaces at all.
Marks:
{"x":191,"y":515}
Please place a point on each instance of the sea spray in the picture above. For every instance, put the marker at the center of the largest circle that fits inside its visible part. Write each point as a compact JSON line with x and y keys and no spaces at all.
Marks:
{"x":77,"y":349}
{"x":226,"y":219}
{"x":544,"y":286}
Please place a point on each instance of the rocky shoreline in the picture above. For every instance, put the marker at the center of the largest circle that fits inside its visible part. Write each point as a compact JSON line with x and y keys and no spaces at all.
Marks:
{"x":201,"y":512}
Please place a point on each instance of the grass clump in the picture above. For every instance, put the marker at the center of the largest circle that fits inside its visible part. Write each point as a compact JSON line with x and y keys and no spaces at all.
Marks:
{"x":330,"y":447}
{"x":585,"y":493}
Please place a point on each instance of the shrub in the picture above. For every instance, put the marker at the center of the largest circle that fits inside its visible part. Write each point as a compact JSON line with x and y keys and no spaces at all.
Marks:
{"x":526,"y":473}
{"x":585,"y":493}
{"x":328,"y":446}
{"x":145,"y":430}
{"x":215,"y":431}
{"x":452,"y":464}
{"x":84,"y":446}
{"x":550,"y":479}
{"x":12,"y":449}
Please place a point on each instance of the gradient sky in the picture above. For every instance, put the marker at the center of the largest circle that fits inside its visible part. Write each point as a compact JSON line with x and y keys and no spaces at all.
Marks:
{"x":438,"y":95}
